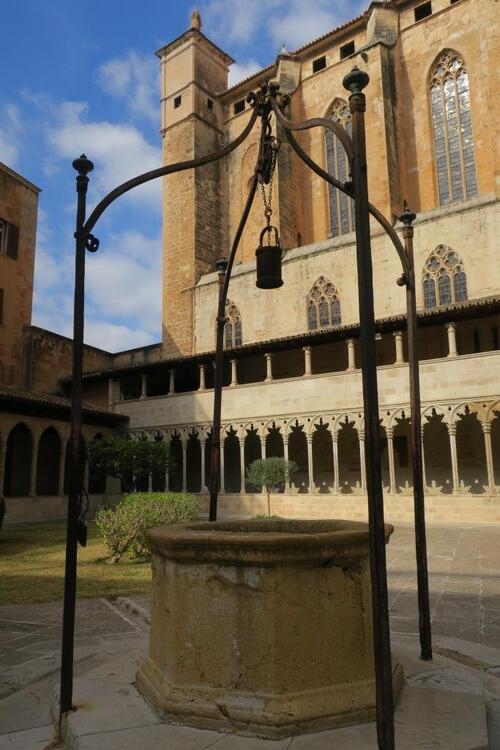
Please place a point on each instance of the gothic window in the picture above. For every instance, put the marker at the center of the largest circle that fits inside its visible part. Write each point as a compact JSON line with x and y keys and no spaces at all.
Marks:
{"x":341,"y":207}
{"x":323,"y":305}
{"x":452,"y":125}
{"x":232,"y":329}
{"x":444,"y":280}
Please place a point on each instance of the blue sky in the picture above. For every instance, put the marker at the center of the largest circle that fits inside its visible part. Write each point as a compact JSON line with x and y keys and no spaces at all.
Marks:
{"x":82,"y":77}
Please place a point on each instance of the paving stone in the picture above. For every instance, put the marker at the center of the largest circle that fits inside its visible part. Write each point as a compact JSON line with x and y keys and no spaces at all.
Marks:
{"x":29,"y":739}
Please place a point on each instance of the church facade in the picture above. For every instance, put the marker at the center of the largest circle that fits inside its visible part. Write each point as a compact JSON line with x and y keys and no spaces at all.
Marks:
{"x":292,"y":380}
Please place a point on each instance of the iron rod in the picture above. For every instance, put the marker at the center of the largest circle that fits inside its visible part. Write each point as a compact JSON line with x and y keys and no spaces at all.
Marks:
{"x":83,"y":166}
{"x":224,"y":277}
{"x":355,"y":82}
{"x":424,"y":615}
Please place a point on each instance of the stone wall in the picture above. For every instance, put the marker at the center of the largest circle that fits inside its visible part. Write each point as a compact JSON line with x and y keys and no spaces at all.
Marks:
{"x":18,"y":207}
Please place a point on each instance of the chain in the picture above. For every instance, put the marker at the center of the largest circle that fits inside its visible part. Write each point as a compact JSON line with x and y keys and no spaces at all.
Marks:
{"x":271,"y":156}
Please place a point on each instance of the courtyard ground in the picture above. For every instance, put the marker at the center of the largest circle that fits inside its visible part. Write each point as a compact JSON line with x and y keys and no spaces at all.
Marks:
{"x":464,"y":576}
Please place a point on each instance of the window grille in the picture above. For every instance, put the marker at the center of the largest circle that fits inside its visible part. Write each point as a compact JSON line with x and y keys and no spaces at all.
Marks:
{"x":452,"y":125}
{"x":232,"y":328}
{"x":341,"y":207}
{"x":323,"y":305}
{"x":444,"y":280}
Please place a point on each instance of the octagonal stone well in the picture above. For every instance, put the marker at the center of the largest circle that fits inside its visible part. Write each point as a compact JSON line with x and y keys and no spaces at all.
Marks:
{"x":263,"y":627}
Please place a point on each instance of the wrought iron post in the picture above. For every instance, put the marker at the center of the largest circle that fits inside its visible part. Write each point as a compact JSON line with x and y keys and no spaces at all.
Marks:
{"x":355,"y":82}
{"x":424,"y":616}
{"x":219,"y":367}
{"x":83,"y":166}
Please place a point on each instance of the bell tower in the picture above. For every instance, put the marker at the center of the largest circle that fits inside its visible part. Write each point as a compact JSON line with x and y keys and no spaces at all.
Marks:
{"x":194,"y":73}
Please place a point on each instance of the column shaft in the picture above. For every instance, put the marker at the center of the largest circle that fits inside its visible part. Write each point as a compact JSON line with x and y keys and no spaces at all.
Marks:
{"x":486,"y":426}
{"x":171,"y":383}
{"x":392,"y":466}
{"x":242,"y":465}
{"x":269,"y":368}
{"x":144,"y":385}
{"x":202,"y":465}
{"x":398,"y":338}
{"x":307,"y":361}
{"x":222,"y":452}
{"x":452,"y":432}
{"x":234,"y":373}
{"x":202,"y":386}
{"x":310,"y":463}
{"x":336,"y":475}
{"x":34,"y":465}
{"x":62,"y":468}
{"x":362,"y":460}
{"x":452,"y":339}
{"x":351,"y":355}
{"x":285,"y":456}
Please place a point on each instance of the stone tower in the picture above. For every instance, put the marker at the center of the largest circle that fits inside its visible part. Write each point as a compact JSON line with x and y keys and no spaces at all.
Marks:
{"x":193,"y":72}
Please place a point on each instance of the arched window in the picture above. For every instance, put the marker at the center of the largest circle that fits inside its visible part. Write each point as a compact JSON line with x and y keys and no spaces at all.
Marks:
{"x":232,"y":329}
{"x":323,"y":305}
{"x":17,"y":478}
{"x":452,"y":125}
{"x":444,"y":280}
{"x":341,"y":207}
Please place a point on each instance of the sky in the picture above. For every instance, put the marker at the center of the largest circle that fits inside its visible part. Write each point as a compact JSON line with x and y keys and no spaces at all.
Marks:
{"x":82,"y":77}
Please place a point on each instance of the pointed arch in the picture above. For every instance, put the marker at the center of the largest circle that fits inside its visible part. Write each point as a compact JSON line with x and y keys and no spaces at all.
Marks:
{"x":341,"y":207}
{"x":323,"y":305}
{"x":232,"y":329}
{"x":449,"y":99}
{"x":443,"y":278}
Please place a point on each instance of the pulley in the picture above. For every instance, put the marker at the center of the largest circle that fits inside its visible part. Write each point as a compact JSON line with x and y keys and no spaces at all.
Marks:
{"x":269,"y":260}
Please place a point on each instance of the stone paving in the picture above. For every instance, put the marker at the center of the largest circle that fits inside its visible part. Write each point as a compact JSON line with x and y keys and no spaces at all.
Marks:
{"x":464,"y":576}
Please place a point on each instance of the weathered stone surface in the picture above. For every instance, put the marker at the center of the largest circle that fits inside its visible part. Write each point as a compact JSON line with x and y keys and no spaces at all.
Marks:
{"x":262,"y":625}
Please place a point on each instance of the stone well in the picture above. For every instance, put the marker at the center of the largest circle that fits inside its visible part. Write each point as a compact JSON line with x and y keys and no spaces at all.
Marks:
{"x":262,"y":627}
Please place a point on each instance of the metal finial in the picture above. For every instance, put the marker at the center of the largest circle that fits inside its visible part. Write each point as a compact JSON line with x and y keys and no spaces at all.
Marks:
{"x":221,"y":265}
{"x":407,"y":217}
{"x":83,"y":165}
{"x":356,"y":80}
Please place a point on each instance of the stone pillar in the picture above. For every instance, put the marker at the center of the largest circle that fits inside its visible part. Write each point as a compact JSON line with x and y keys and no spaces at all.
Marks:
{"x":3,"y":454}
{"x":202,"y":385}
{"x":171,"y":383}
{"x":222,"y":451}
{"x":336,"y":477}
{"x":150,"y":482}
{"x":144,"y":385}
{"x":34,"y":465}
{"x":242,"y":465}
{"x":234,"y":373}
{"x":351,"y":355}
{"x":62,"y":468}
{"x":262,"y":446}
{"x":269,"y":368}
{"x":310,"y":463}
{"x":111,"y":392}
{"x":184,"y":465}
{"x":392,"y":466}
{"x":451,"y":329}
{"x":202,"y":462}
{"x":398,"y":339}
{"x":486,"y":426}
{"x":307,"y":362}
{"x":362,"y":462}
{"x":285,"y":456}
{"x":167,"y":480}
{"x":452,"y":432}
{"x":424,"y":475}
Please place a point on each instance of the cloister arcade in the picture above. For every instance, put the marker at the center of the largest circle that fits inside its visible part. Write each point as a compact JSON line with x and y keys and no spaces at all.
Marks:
{"x":461,"y":444}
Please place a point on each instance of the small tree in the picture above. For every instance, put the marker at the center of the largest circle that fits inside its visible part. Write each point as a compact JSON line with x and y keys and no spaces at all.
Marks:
{"x":270,"y":474}
{"x":127,"y":459}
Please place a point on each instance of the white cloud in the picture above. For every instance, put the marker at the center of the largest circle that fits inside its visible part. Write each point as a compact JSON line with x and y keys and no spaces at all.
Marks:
{"x":134,"y":79}
{"x":10,"y":141}
{"x":124,"y":280}
{"x":119,"y":151}
{"x":293,"y":22}
{"x":239,"y":71}
{"x":113,"y":337}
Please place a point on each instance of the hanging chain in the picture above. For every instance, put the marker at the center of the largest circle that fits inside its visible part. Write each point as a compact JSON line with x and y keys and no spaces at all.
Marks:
{"x":270,"y":156}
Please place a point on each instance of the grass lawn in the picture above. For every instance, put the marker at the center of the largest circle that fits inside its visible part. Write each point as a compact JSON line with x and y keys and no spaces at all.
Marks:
{"x":32,"y":567}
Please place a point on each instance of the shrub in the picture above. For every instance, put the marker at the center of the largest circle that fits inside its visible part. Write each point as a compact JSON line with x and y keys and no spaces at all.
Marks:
{"x":124,"y":528}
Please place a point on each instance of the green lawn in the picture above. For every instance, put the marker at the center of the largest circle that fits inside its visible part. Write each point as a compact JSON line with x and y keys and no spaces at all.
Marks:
{"x":32,"y":567}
